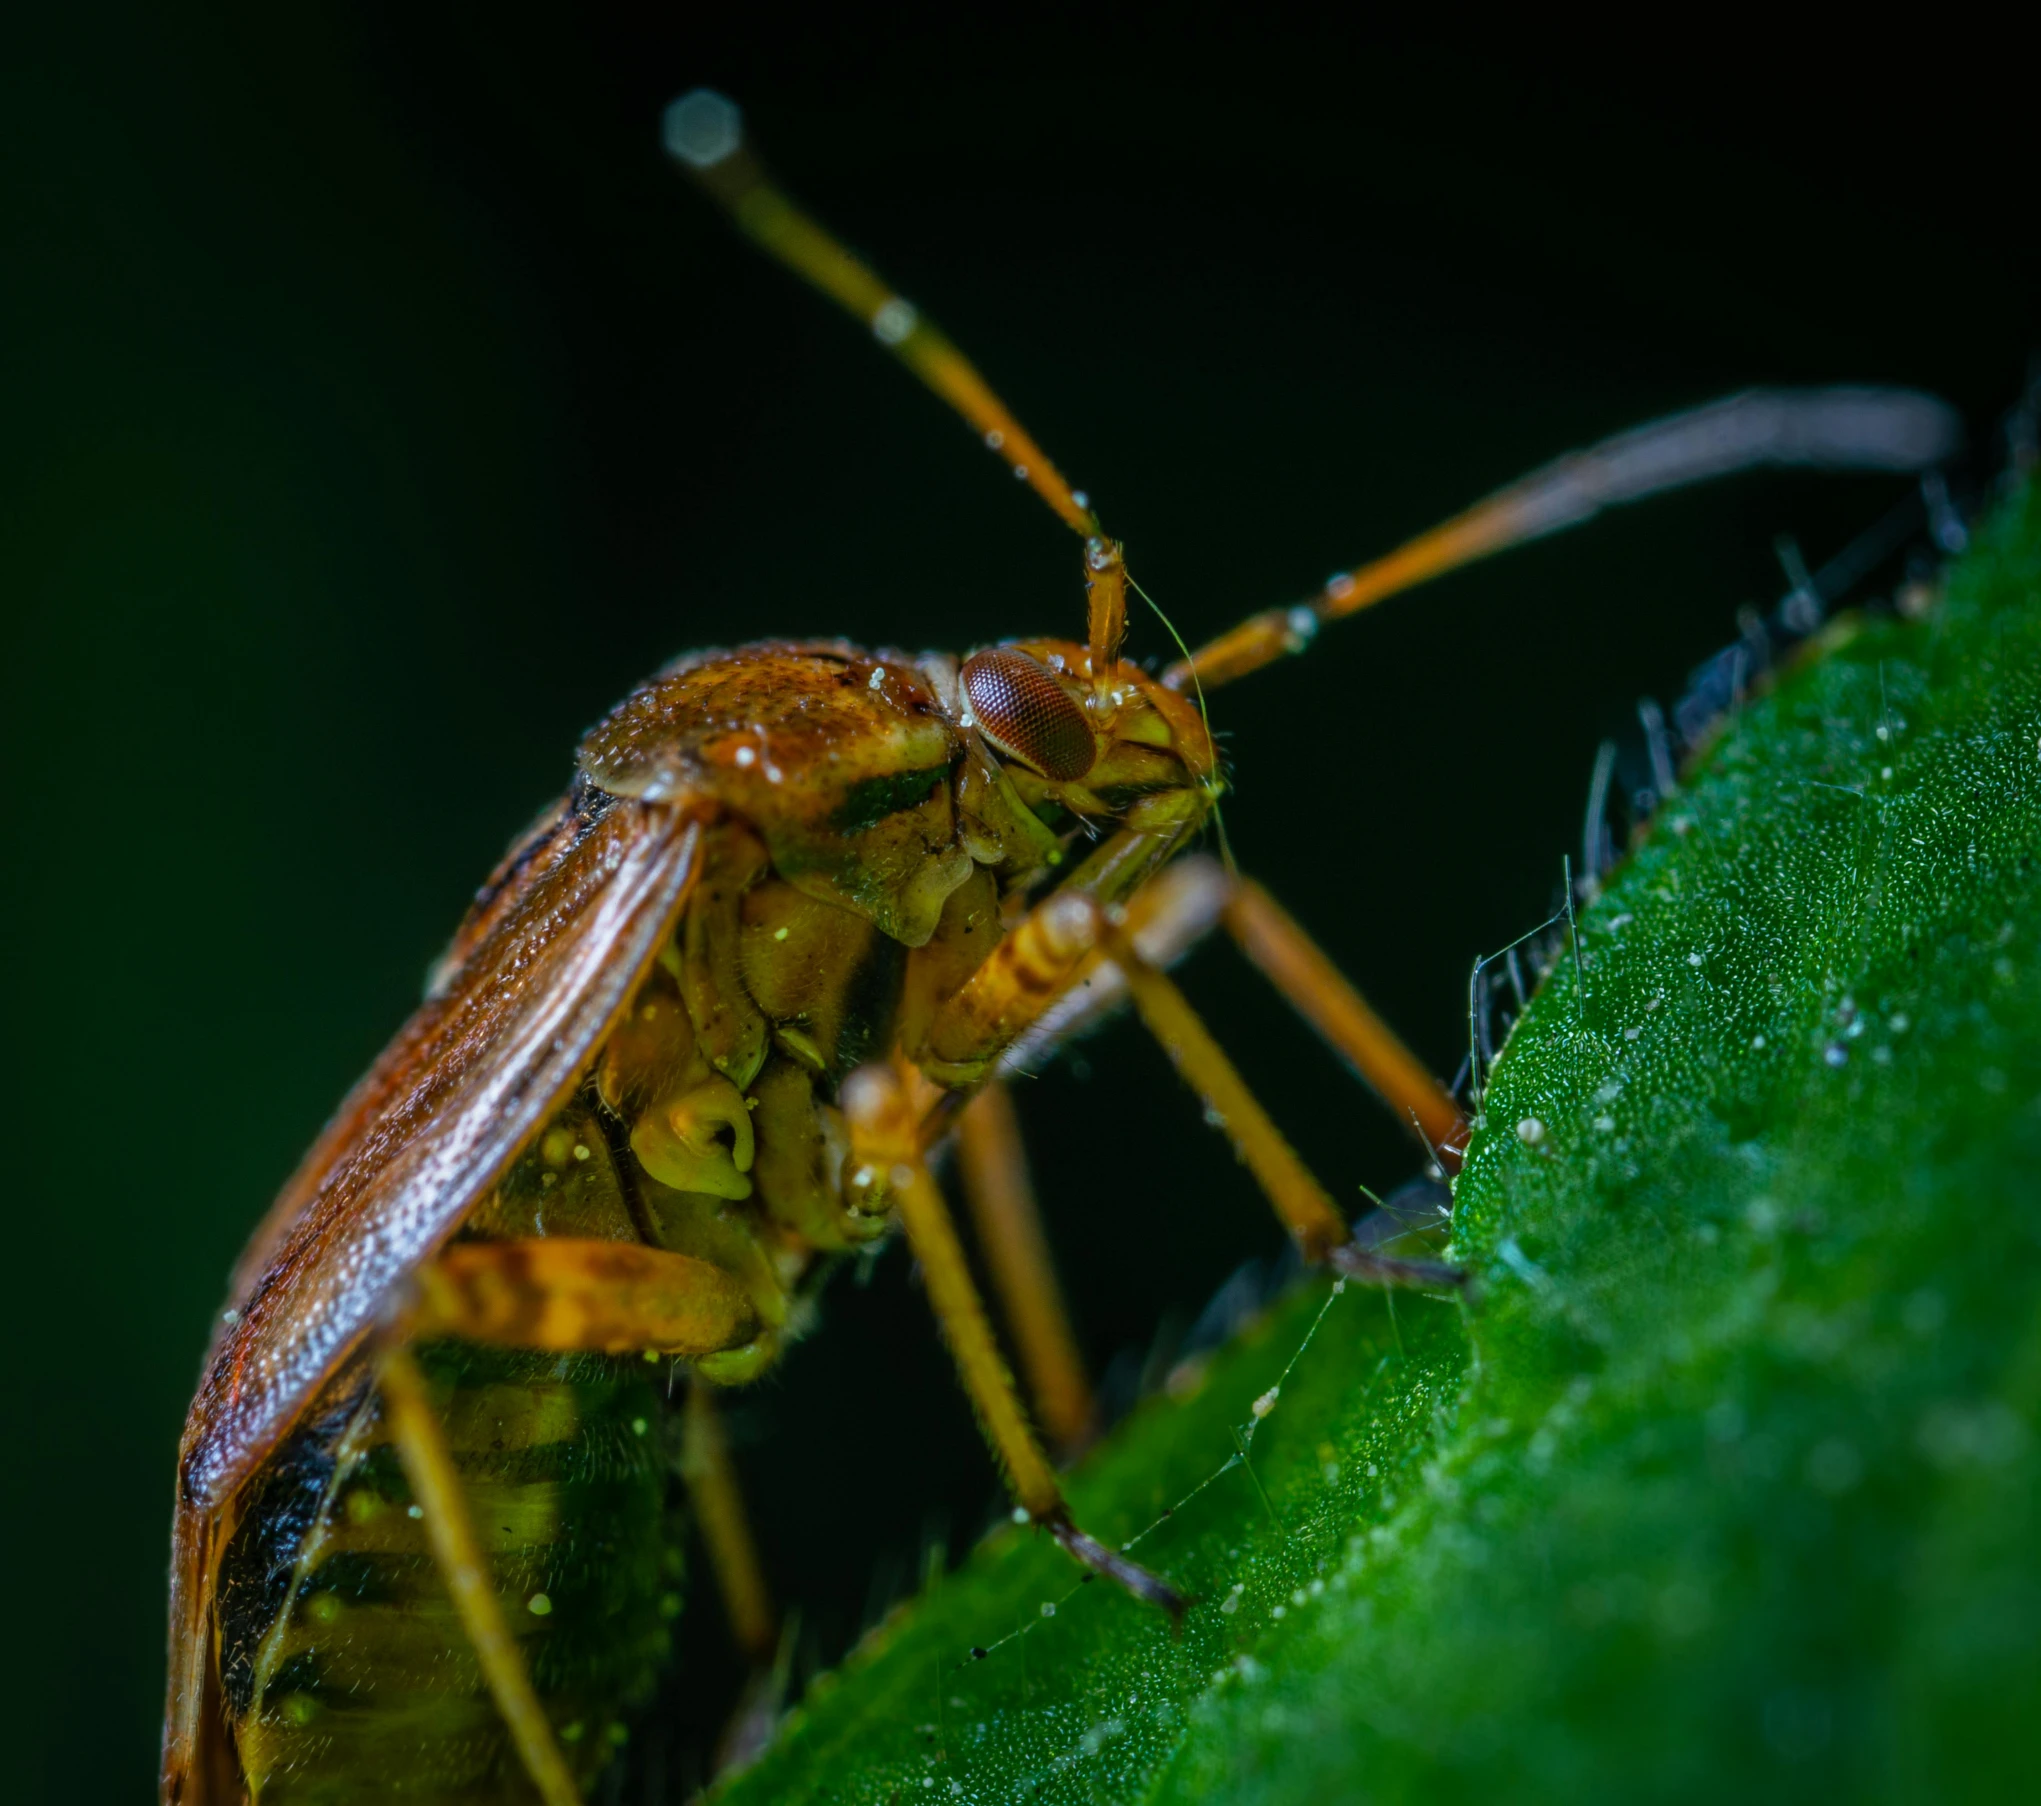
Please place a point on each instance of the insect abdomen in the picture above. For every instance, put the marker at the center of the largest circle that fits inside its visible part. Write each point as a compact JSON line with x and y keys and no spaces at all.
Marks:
{"x":346,"y":1672}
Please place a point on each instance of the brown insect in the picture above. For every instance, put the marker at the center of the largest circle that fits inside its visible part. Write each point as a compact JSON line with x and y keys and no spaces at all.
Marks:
{"x":702,"y":1031}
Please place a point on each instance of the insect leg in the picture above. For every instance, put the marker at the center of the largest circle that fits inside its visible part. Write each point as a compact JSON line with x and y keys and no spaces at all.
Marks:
{"x":1175,"y":910}
{"x":1306,"y":1211}
{"x":1025,"y":976}
{"x":885,"y":1137}
{"x":450,"y":1528}
{"x":1824,"y":429}
{"x":555,"y":1292}
{"x":1165,"y":918}
{"x":544,"y":1293}
{"x":1320,"y":993}
{"x":1051,"y":978}
{"x":740,"y":1578}
{"x":719,"y":1512}
{"x":994,"y":1167}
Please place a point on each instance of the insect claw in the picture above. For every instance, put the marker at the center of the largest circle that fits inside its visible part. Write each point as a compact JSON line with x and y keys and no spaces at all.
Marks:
{"x":1152,"y":1589}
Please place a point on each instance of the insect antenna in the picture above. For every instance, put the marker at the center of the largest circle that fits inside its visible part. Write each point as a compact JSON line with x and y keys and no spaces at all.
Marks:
{"x":1815,"y":429}
{"x":704,"y":132}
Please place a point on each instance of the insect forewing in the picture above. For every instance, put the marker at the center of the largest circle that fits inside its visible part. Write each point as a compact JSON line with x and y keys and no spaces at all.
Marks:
{"x":475,"y":1072}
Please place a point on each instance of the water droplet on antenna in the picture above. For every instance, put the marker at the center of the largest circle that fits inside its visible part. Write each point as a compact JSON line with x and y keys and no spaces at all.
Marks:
{"x":894,"y":320}
{"x":701,"y":128}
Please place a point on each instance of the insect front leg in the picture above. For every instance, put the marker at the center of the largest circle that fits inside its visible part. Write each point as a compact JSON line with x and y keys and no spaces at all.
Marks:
{"x":1186,"y":901}
{"x":1037,"y":987}
{"x":1057,"y":948}
{"x":557,"y":1295}
{"x":1309,"y":1214}
{"x":885,"y":1129}
{"x":1319,"y":992}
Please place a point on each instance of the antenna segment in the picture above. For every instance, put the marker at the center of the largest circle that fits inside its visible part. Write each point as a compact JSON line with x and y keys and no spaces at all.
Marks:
{"x":1817,"y":429}
{"x":705,"y":134}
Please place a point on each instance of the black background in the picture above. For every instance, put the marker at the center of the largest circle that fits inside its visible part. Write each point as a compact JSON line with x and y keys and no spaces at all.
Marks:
{"x":379,"y":405}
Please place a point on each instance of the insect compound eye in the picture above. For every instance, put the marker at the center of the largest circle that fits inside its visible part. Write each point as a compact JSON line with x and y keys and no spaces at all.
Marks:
{"x":1024,"y":711}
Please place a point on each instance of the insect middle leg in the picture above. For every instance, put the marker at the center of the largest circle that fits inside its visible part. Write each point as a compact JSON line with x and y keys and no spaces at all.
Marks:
{"x":557,"y":1295}
{"x":993,"y":1166}
{"x":885,"y":1128}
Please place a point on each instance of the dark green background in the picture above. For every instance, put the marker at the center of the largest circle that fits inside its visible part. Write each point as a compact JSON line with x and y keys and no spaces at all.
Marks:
{"x":378,"y":406}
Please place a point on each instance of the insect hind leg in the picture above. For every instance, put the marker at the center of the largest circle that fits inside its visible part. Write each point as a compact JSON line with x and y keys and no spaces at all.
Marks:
{"x":450,"y":1530}
{"x":546,"y":1293}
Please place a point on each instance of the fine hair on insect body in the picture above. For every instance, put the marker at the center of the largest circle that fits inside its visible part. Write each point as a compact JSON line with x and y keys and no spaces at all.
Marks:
{"x":803,"y":910}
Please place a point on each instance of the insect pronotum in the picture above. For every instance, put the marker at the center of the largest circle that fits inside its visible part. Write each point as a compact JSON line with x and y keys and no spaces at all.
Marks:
{"x":703,"y":1031}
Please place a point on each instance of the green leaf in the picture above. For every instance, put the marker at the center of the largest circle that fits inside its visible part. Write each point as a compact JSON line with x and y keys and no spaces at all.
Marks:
{"x":1726,"y":1484}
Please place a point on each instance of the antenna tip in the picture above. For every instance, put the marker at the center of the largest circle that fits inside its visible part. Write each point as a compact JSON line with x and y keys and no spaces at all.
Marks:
{"x":701,"y":128}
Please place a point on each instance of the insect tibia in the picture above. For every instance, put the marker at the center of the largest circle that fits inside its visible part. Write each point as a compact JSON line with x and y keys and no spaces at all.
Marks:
{"x":1358,"y":1262}
{"x":1089,"y":1552}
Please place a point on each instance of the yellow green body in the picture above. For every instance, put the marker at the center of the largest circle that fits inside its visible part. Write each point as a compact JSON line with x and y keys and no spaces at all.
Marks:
{"x":345,"y":1670}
